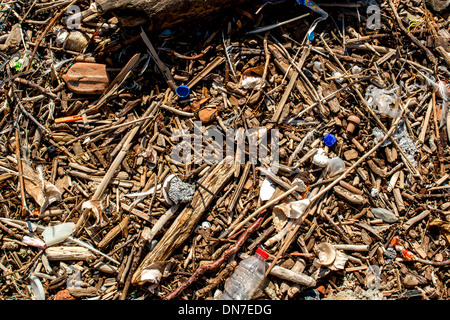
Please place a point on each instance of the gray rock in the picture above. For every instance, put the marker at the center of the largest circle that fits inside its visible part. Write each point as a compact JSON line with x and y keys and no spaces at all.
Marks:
{"x":180,"y":191}
{"x":385,"y":215}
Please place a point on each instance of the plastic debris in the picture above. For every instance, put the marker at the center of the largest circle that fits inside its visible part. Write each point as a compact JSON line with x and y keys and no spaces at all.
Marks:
{"x":335,"y":166}
{"x":330,"y":140}
{"x":381,"y":99}
{"x":402,"y":137}
{"x":314,"y":7}
{"x":320,"y":159}
{"x":183,"y":91}
{"x":58,"y":233}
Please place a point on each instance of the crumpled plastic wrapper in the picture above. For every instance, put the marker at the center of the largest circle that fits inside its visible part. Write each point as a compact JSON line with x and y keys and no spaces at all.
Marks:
{"x":401,"y":136}
{"x":292,"y":210}
{"x":381,"y":99}
{"x":320,"y":159}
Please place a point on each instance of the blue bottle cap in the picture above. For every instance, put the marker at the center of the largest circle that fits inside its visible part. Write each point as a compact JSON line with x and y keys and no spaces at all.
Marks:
{"x":330,"y":140}
{"x":183,"y":91}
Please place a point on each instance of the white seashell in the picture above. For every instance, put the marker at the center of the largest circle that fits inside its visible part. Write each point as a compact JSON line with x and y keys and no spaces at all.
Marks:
{"x":267,"y":190}
{"x":206,"y":225}
{"x":34,"y":242}
{"x":340,"y":261}
{"x":300,"y":183}
{"x":165,"y":189}
{"x":36,"y":288}
{"x":326,"y":254}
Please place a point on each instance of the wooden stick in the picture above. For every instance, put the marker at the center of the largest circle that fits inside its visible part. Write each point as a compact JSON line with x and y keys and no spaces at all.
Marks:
{"x":109,"y":174}
{"x":20,"y":171}
{"x":239,"y":187}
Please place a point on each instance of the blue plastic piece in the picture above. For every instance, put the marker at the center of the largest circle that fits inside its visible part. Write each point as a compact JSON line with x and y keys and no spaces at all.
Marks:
{"x":311,"y":36}
{"x":311,"y":294}
{"x":330,"y":140}
{"x":183,"y":91}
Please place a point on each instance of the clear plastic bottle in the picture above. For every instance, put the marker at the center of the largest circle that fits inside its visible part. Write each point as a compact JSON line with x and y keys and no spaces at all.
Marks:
{"x":246,"y":279}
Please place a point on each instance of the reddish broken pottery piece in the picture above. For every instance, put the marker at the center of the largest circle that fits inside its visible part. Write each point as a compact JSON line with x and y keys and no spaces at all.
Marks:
{"x":87,"y":78}
{"x":64,"y":295}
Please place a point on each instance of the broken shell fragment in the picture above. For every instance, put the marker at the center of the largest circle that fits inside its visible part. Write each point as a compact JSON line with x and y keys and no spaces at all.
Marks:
{"x":267,"y":190}
{"x":36,"y":288}
{"x":34,"y":242}
{"x":165,"y":189}
{"x":326,"y":254}
{"x":56,"y":234}
{"x":97,"y":208}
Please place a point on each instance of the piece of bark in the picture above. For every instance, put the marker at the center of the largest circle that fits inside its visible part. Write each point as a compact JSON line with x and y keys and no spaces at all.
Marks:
{"x":163,"y":14}
{"x":83,"y":292}
{"x":186,"y":221}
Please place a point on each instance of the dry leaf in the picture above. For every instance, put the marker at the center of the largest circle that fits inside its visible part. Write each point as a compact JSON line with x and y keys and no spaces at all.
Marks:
{"x":43,"y":192}
{"x":444,"y":228}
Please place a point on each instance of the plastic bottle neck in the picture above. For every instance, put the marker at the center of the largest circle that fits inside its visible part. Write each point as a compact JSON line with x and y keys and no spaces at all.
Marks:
{"x":260,"y":257}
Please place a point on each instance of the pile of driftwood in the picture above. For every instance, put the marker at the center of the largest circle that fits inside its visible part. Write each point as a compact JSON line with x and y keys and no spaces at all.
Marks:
{"x":146,"y":147}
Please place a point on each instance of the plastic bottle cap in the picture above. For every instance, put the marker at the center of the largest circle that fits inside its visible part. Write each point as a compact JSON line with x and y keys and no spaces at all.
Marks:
{"x":183,"y":91}
{"x":262,"y":253}
{"x":330,"y":140}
